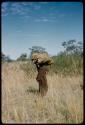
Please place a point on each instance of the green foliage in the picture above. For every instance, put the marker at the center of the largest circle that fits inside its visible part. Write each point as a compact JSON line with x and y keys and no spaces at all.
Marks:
{"x":67,"y":64}
{"x":63,"y":64}
{"x":23,"y":57}
{"x":5,"y":58}
{"x":72,"y":46}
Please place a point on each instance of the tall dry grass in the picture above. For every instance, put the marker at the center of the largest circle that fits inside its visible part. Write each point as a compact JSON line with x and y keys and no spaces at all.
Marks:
{"x":21,"y":102}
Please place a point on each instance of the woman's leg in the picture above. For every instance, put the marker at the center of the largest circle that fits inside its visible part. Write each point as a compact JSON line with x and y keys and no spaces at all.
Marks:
{"x":43,"y":86}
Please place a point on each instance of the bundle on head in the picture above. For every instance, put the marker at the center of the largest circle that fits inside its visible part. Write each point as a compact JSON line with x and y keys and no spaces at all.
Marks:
{"x":41,"y":58}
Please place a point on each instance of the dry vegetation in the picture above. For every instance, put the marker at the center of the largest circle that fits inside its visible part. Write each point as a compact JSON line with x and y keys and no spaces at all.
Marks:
{"x":22,"y":104}
{"x":42,"y":58}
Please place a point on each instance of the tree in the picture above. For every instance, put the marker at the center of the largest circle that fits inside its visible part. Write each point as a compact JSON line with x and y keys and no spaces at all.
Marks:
{"x":6,"y":58}
{"x":37,"y":49}
{"x":73,"y":47}
{"x":23,"y":57}
{"x":79,"y":48}
{"x":69,"y":46}
{"x":3,"y":56}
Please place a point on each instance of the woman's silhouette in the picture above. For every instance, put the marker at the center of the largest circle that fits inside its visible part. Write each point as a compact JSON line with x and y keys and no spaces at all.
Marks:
{"x":41,"y":78}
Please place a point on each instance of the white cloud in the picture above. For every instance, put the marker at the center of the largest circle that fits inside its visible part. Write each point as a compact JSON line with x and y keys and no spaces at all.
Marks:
{"x":27,"y":34}
{"x":4,"y":15}
{"x":62,"y":15}
{"x":43,"y":2}
{"x":27,"y":16}
{"x":41,"y":20}
{"x":18,"y":31}
{"x":24,"y":9}
{"x":4,"y":8}
{"x":33,"y":35}
{"x":46,"y":19}
{"x":19,"y":8}
{"x":36,"y":7}
{"x":25,"y":3}
{"x":37,"y":20}
{"x":4,"y":5}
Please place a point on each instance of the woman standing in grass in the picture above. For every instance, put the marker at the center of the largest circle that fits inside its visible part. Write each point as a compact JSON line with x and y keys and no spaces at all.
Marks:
{"x":41,"y":78}
{"x":42,"y":61}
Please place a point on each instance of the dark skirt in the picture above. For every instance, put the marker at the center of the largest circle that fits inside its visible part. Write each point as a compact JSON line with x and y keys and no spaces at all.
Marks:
{"x":42,"y":80}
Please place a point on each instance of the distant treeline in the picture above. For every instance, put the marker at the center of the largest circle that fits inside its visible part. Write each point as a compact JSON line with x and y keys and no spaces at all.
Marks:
{"x":70,"y":61}
{"x":67,"y":64}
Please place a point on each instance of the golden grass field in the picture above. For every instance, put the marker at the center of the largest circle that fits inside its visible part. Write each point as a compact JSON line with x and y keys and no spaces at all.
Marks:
{"x":21,"y":102}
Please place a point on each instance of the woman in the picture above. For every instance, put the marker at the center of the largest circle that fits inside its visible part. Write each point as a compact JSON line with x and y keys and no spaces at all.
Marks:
{"x":41,"y":78}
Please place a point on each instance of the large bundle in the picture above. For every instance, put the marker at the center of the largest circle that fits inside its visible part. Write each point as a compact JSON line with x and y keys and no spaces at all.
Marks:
{"x":41,"y":58}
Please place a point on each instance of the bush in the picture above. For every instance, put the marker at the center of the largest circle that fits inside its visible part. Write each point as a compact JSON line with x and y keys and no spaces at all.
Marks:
{"x":29,"y":68}
{"x":67,"y":64}
{"x":63,"y":64}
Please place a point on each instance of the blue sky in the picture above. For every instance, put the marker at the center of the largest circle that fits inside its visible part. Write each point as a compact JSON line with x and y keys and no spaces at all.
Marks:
{"x":45,"y":24}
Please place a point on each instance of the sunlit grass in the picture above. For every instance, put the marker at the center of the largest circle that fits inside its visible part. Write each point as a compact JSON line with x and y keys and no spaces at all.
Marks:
{"x":21,"y":102}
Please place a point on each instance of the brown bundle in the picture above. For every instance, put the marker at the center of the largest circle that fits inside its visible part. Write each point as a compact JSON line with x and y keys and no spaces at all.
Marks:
{"x":41,"y":58}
